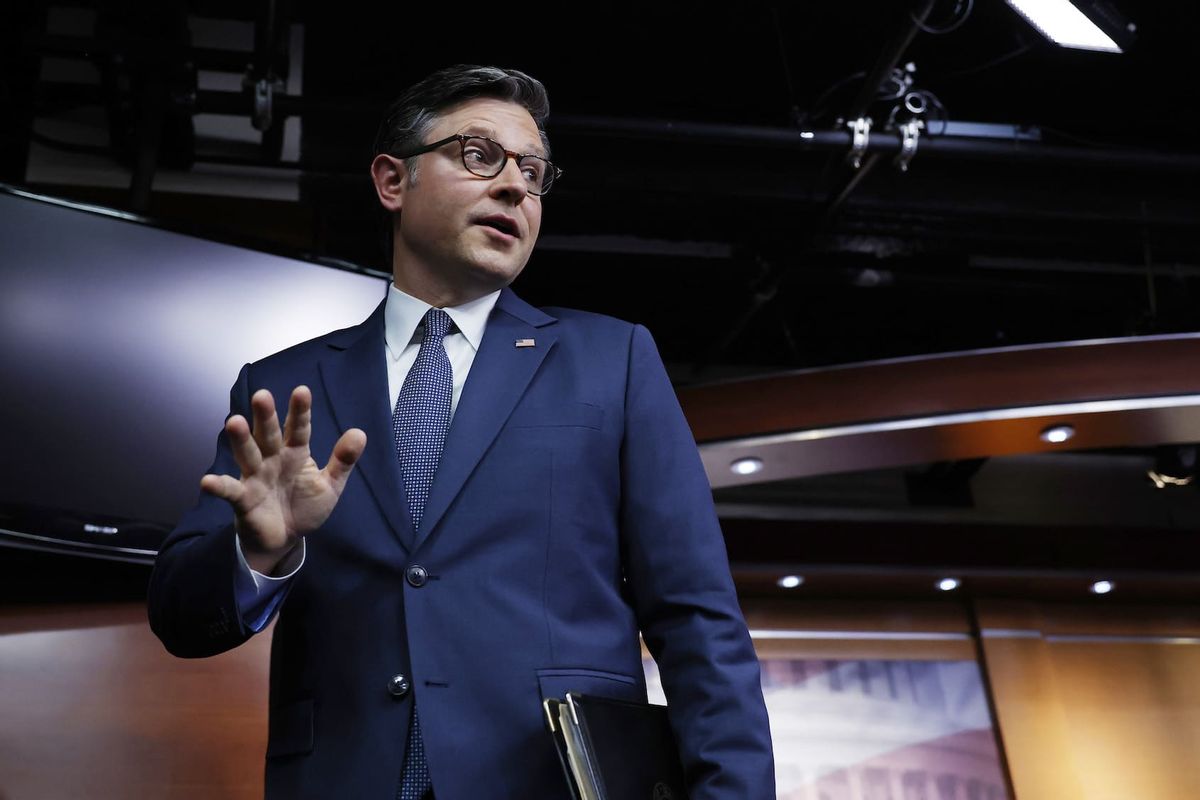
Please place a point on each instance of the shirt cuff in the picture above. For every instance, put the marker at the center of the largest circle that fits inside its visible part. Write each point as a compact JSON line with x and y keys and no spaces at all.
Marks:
{"x":257,"y":595}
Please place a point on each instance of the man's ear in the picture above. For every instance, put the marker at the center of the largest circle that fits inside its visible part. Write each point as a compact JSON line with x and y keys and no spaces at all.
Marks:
{"x":390,"y":176}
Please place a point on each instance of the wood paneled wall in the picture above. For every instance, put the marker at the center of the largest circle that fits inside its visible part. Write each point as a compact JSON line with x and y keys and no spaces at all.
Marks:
{"x":1096,"y":702}
{"x":92,"y":706}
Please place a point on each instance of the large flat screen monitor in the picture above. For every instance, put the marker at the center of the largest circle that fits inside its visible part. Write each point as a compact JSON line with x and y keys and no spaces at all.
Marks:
{"x":119,"y":341}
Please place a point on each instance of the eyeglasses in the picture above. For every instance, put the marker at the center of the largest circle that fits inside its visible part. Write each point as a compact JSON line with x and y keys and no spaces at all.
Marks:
{"x":487,"y":158}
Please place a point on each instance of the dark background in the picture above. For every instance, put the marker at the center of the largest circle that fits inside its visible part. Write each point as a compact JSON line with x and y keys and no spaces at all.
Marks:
{"x":690,"y":202}
{"x":723,"y":244}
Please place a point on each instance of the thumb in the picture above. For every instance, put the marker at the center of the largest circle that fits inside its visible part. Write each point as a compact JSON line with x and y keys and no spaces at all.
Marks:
{"x":226,"y":487}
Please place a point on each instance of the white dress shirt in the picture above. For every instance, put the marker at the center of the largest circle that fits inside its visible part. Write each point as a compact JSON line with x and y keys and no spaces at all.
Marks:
{"x":258,"y":595}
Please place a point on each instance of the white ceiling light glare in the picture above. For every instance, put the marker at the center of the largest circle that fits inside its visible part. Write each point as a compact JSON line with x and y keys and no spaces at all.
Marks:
{"x":1063,"y":23}
{"x":1057,"y":434}
{"x":1102,"y":587}
{"x":789,"y":581}
{"x":746,"y":466}
{"x":949,"y":584}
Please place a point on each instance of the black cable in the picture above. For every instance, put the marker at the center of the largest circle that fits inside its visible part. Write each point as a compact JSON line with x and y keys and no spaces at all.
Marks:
{"x":818,"y":106}
{"x":1020,"y":51}
{"x":897,"y":76}
{"x":1071,"y":137}
{"x":787,"y":70}
{"x":962,"y":11}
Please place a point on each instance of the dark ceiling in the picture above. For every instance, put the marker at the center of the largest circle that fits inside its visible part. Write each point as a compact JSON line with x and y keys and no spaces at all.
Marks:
{"x":690,"y":202}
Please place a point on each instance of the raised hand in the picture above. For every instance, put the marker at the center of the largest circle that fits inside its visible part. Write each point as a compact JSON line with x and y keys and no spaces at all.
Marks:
{"x":282,"y":493}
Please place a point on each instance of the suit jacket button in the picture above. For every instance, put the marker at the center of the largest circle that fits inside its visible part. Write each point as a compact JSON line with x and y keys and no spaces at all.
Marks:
{"x":398,"y":686}
{"x":416,"y":575}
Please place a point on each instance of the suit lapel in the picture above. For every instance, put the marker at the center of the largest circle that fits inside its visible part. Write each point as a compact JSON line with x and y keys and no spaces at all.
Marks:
{"x":499,"y":376}
{"x":356,"y":383}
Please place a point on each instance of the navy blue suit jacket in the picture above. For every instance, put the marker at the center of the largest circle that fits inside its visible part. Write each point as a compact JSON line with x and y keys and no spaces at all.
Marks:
{"x":570,"y":511}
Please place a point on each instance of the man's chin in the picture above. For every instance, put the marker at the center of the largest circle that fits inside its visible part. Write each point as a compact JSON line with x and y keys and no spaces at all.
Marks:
{"x":494,"y":274}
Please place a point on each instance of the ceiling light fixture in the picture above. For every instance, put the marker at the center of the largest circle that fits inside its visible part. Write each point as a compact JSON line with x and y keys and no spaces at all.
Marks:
{"x":1079,"y":24}
{"x":949,"y":584}
{"x":1057,"y":434}
{"x":1162,"y":481}
{"x":1102,"y":587}
{"x":1174,"y":465}
{"x":746,"y":466}
{"x":789,"y":581}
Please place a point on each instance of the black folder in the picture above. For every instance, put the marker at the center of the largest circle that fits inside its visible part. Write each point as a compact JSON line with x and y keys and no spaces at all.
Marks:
{"x":615,"y":750}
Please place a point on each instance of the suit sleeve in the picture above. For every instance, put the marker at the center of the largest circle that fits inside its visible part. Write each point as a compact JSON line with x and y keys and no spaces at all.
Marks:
{"x":193,"y":594}
{"x":683,"y":594}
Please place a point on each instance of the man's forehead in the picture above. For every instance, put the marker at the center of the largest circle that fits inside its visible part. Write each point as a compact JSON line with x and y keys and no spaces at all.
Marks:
{"x":506,"y":122}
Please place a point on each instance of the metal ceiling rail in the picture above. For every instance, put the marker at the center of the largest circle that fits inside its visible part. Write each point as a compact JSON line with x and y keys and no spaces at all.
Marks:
{"x":932,"y":145}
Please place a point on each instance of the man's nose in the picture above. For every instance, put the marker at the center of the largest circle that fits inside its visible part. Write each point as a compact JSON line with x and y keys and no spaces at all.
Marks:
{"x":510,"y":183}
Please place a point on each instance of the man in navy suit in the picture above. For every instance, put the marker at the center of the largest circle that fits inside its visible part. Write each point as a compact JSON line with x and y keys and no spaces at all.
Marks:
{"x":567,"y":511}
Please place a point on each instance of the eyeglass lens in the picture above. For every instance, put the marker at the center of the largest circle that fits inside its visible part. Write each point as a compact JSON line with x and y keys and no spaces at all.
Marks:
{"x":486,"y":159}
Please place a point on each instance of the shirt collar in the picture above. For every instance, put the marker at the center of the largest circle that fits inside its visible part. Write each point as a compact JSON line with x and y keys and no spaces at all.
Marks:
{"x":403,"y":313}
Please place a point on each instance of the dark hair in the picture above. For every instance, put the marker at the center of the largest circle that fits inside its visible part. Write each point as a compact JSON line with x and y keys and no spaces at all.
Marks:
{"x":409,"y":119}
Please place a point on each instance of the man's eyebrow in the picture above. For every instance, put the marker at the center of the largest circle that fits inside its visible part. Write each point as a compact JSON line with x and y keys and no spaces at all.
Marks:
{"x":479,"y":129}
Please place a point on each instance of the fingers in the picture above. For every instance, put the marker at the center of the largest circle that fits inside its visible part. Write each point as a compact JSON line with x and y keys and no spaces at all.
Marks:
{"x":241,"y":443}
{"x":225,"y":487}
{"x":251,"y":447}
{"x":297,"y":429}
{"x":346,"y":452}
{"x":266,"y":423}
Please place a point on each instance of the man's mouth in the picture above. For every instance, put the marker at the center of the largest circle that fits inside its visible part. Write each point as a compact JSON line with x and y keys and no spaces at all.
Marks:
{"x":500,"y":223}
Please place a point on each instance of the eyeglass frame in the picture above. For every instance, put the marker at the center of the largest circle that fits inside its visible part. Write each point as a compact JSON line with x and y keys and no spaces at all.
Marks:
{"x":462,"y":138}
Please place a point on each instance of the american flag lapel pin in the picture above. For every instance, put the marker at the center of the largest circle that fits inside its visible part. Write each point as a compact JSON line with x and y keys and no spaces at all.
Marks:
{"x":525,"y":343}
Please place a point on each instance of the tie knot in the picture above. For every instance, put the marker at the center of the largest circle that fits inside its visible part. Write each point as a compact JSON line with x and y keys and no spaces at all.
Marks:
{"x":437,"y":323}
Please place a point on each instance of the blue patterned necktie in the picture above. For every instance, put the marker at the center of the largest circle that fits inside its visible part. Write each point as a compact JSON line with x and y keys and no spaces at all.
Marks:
{"x":419,"y":424}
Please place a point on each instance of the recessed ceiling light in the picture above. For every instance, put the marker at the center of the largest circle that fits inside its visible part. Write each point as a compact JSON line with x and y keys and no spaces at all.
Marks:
{"x":746,"y":466}
{"x":1102,"y":587}
{"x":1057,"y":434}
{"x":790,"y":581}
{"x":949,"y":584}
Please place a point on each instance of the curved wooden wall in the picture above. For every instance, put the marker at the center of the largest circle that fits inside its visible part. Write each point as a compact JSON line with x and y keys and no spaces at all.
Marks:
{"x":1126,"y":392}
